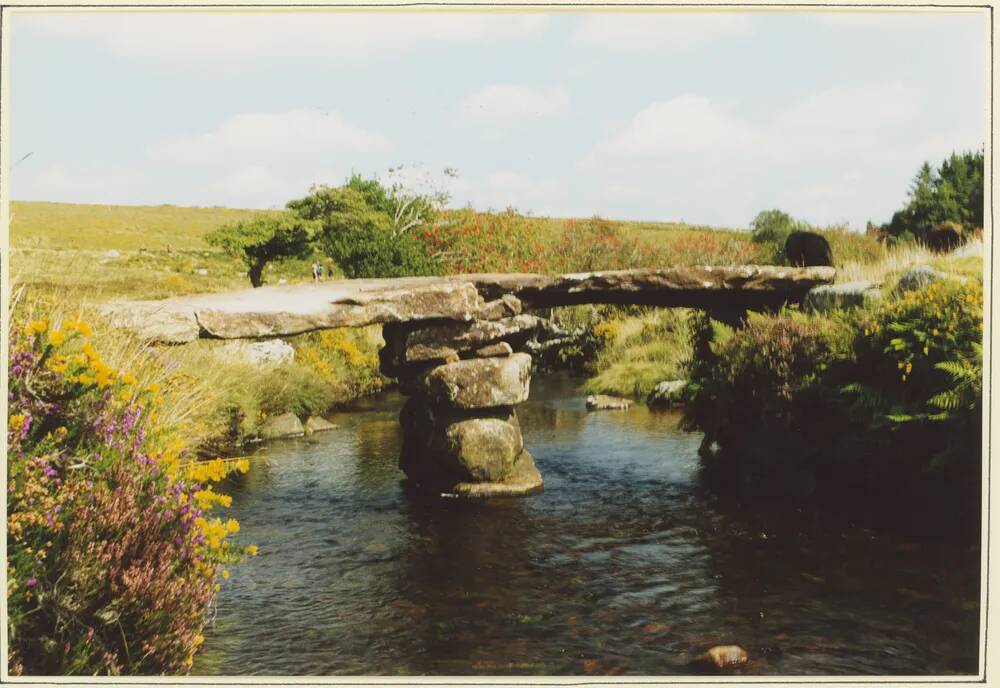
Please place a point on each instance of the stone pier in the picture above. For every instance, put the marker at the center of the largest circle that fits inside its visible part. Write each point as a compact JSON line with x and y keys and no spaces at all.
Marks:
{"x":460,"y":430}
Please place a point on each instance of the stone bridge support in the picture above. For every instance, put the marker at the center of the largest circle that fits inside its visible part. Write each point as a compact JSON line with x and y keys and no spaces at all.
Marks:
{"x":461,"y":435}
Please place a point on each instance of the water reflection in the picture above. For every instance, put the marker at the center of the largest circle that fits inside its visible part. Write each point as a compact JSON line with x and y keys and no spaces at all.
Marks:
{"x":622,"y":565}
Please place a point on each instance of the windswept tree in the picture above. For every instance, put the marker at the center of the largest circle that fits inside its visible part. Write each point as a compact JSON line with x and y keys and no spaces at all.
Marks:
{"x":359,"y":234}
{"x":265,"y":238}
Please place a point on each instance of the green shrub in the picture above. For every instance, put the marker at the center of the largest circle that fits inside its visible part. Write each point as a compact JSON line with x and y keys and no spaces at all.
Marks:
{"x":760,"y":390}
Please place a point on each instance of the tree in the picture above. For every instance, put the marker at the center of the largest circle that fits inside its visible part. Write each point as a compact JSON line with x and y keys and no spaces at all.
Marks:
{"x":361,"y":236}
{"x":954,"y":193}
{"x":265,"y":238}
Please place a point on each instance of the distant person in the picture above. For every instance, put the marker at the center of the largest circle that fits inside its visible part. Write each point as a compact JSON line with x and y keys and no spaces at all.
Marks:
{"x":319,"y":271}
{"x":170,"y":249}
{"x":316,"y":270}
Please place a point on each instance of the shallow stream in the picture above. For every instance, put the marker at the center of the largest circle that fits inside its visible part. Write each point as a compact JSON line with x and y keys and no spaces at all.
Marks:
{"x":622,"y":566}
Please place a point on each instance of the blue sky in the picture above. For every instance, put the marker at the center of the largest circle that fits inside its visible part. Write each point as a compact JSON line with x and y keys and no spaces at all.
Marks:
{"x":706,"y":117}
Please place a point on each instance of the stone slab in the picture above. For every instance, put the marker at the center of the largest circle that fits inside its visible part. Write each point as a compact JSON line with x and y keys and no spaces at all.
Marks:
{"x":293,"y":309}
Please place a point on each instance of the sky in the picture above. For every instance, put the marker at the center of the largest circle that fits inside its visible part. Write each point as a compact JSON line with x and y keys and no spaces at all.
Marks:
{"x":701,"y":117}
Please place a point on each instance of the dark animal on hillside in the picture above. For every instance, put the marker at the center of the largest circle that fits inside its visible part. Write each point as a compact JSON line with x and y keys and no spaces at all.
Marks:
{"x":944,"y":237}
{"x":803,"y":249}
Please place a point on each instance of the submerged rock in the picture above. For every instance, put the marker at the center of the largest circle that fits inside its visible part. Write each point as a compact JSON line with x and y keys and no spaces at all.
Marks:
{"x":318,"y":424}
{"x":722,"y":657}
{"x":666,"y":394}
{"x":285,"y":425}
{"x":603,"y":402}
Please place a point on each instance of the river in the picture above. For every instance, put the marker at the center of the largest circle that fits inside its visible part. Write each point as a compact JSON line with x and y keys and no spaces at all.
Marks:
{"x":624,"y":565}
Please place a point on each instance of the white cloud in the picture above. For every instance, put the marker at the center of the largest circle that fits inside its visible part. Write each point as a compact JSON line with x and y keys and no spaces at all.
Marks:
{"x":513,"y":104}
{"x":661,"y":31}
{"x":262,"y":137}
{"x":811,"y":150}
{"x":686,"y":125}
{"x":233,"y":41}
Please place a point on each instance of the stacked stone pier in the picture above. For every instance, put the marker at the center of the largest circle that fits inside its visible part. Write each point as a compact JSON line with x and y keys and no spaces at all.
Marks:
{"x":457,"y":345}
{"x":460,"y":430}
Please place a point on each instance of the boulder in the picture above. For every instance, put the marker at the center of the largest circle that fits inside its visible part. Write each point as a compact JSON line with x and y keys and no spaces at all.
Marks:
{"x":285,"y":425}
{"x":666,"y":394}
{"x":603,"y":402}
{"x":722,"y":657}
{"x":422,"y":353}
{"x":318,"y":424}
{"x":200,"y":271}
{"x":271,"y":351}
{"x":479,"y":382}
{"x":918,"y":277}
{"x":841,"y":296}
{"x":111,"y":254}
{"x":523,"y":480}
{"x":498,"y":350}
{"x":485,"y":447}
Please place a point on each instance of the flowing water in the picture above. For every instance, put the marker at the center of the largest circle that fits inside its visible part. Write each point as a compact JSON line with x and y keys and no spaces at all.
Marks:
{"x":622,"y":566}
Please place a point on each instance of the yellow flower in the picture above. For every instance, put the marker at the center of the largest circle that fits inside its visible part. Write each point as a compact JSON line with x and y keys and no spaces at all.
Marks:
{"x":84,"y":329}
{"x":128,"y":379}
{"x":225,"y":574}
{"x":84,"y":379}
{"x":16,"y":422}
{"x":56,"y":337}
{"x":233,"y":526}
{"x":125,"y":395}
{"x":198,"y":640}
{"x":251,"y":550}
{"x":154,"y":388}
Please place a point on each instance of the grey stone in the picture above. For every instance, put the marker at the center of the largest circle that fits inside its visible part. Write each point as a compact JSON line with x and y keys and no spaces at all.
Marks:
{"x":841,"y":296}
{"x":200,"y":271}
{"x":318,"y":424}
{"x":272,"y":351}
{"x":918,"y":277}
{"x":603,"y":402}
{"x":476,"y":334}
{"x":480,"y":382}
{"x":666,"y":394}
{"x":285,"y":425}
{"x":422,"y":353}
{"x":498,"y":350}
{"x":524,"y":480}
{"x":111,"y":254}
{"x":485,"y":447}
{"x":506,"y":306}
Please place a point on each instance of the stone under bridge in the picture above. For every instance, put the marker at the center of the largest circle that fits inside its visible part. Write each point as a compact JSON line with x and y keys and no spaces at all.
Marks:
{"x":458,"y":345}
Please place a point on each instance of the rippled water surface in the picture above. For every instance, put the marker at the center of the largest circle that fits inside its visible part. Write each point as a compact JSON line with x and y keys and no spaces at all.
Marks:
{"x":622,"y":566}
